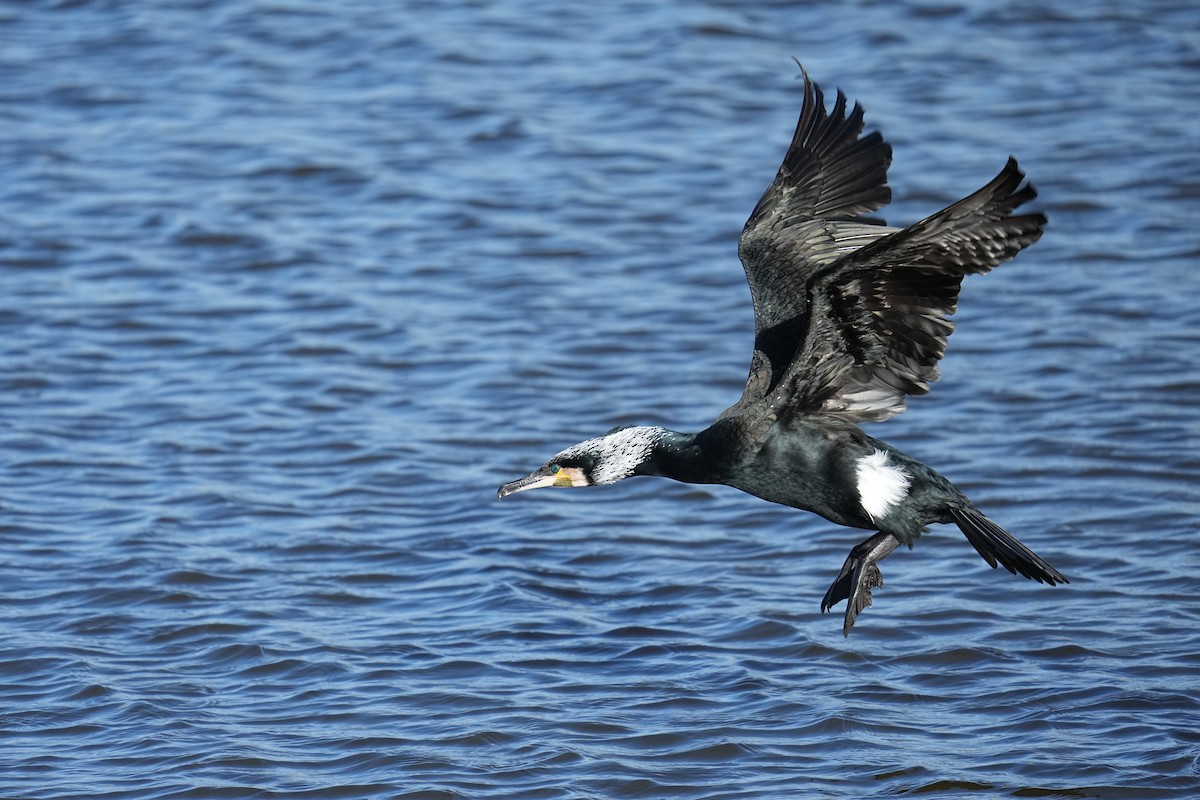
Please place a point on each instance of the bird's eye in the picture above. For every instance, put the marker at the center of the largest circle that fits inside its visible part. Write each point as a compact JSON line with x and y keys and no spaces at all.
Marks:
{"x":554,"y":468}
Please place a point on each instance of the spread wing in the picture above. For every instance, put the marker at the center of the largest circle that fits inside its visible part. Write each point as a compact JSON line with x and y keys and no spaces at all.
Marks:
{"x":804,"y":221}
{"x":878,"y":317}
{"x":852,"y":317}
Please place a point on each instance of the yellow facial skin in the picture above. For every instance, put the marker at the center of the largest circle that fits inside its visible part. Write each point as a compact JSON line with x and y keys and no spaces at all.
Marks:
{"x":569,"y":476}
{"x":554,"y":475}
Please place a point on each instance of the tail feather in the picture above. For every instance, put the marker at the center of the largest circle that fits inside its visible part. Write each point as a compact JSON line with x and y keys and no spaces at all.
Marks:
{"x":998,"y":545}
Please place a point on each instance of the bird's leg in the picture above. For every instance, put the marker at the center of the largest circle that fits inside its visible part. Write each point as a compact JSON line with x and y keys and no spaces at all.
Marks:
{"x":860,"y":574}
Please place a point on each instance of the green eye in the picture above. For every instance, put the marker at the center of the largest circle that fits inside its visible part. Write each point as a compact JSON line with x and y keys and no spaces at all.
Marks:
{"x":554,"y":468}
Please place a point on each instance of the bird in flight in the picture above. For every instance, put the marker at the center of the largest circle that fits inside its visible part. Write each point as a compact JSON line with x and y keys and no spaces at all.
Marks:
{"x":850,"y":318}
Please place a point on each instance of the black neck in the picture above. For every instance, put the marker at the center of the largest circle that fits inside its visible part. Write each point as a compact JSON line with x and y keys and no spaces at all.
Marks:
{"x":681,"y":457}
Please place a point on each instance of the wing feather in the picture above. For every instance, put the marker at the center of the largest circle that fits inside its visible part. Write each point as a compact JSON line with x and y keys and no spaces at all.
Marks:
{"x":851,"y":316}
{"x":879,"y":316}
{"x":803,"y":221}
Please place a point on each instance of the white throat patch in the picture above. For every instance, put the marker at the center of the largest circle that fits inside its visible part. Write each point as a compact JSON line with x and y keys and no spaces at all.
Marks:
{"x":881,"y":484}
{"x":617,"y":454}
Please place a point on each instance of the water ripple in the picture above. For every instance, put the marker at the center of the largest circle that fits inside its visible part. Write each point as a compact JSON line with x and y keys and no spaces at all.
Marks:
{"x":289,"y":289}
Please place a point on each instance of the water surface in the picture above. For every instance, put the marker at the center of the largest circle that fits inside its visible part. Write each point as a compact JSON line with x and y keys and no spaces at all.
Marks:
{"x":287,"y":289}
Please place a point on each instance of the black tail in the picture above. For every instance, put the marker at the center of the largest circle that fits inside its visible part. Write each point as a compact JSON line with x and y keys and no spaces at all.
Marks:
{"x":998,"y":545}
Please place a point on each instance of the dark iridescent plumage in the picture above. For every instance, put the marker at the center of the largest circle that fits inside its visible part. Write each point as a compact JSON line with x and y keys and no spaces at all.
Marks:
{"x":851,"y":317}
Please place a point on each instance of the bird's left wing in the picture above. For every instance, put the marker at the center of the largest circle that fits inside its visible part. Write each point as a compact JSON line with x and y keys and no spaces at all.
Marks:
{"x":879,"y":316}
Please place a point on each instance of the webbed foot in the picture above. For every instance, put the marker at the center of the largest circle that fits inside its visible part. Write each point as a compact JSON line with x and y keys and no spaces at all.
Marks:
{"x":859,"y":575}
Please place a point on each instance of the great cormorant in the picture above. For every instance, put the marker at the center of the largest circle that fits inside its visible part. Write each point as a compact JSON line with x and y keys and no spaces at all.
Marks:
{"x":850,"y":317}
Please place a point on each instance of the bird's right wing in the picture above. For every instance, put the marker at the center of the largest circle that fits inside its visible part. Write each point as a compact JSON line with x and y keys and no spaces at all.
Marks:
{"x":806,"y":219}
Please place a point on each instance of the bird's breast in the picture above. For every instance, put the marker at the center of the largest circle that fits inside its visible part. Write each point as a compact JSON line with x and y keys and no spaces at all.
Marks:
{"x":808,"y":469}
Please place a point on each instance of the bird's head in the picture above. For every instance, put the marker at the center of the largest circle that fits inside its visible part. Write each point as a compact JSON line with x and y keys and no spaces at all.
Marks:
{"x":605,"y":459}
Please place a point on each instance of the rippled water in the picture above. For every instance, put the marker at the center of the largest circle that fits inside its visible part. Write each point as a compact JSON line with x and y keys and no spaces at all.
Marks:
{"x":287,"y":289}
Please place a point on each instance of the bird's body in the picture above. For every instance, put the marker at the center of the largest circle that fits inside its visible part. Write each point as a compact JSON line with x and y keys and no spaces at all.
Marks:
{"x":821,"y":465}
{"x":848,"y":477}
{"x":851,"y":317}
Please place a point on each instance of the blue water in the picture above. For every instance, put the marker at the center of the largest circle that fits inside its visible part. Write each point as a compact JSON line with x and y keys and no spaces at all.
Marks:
{"x":287,"y":289}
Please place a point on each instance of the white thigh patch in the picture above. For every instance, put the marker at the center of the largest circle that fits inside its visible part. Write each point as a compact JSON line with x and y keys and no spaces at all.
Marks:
{"x":881,"y":484}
